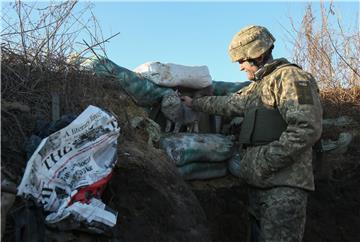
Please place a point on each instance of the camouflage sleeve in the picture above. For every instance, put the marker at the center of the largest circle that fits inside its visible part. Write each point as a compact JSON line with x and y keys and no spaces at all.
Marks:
{"x":298,"y":101}
{"x":232,"y":105}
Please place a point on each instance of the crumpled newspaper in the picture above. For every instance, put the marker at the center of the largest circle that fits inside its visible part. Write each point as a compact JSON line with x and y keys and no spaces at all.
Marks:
{"x":70,"y":160}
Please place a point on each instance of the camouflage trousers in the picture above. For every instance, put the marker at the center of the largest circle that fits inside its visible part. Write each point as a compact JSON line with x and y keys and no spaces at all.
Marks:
{"x":277,"y":214}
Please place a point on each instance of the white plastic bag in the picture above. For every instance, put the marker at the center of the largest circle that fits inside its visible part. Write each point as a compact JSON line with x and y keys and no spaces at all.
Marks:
{"x":172,"y":75}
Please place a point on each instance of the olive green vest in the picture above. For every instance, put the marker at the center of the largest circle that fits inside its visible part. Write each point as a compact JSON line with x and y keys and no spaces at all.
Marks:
{"x":261,"y":126}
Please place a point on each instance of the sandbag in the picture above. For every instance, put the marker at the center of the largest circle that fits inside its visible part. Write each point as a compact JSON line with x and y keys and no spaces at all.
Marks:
{"x":175,"y":75}
{"x":226,"y":88}
{"x":339,"y":146}
{"x":185,"y":148}
{"x":202,"y":171}
{"x":234,"y":165}
{"x":143,"y":91}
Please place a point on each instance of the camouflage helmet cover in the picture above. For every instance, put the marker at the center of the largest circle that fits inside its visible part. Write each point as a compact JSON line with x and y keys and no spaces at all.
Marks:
{"x":250,"y":43}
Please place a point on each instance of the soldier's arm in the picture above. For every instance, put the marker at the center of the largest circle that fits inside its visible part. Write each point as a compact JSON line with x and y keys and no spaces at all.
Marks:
{"x":232,"y":105}
{"x":299,"y":104}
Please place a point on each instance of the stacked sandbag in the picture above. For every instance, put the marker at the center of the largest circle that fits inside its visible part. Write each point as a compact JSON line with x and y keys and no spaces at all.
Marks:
{"x":199,"y":156}
{"x":181,"y":76}
{"x":149,"y":82}
{"x":175,"y":75}
{"x":144,"y":91}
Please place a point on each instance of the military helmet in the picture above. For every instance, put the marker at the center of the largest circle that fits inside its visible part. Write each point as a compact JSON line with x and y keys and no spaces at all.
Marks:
{"x":250,"y":43}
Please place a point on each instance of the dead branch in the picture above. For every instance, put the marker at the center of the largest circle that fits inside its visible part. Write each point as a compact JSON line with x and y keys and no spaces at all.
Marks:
{"x":342,"y":57}
{"x":96,"y":44}
{"x":58,"y":25}
{"x":22,"y":34}
{"x":321,"y":50}
{"x":110,"y":73}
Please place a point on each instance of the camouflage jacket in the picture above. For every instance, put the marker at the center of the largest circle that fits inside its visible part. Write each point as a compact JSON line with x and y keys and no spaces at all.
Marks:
{"x":294,"y":92}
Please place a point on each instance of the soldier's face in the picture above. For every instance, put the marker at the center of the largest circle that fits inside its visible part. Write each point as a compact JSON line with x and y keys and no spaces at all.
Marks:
{"x":249,"y":68}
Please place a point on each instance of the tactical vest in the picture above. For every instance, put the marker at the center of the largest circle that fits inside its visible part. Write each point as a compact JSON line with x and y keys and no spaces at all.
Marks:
{"x":261,"y":126}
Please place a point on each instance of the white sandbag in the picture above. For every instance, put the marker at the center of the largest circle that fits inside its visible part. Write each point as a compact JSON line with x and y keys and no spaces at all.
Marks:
{"x":172,"y":75}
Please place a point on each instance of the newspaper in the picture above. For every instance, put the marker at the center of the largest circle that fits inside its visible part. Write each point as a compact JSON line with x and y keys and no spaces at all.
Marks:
{"x":70,"y":159}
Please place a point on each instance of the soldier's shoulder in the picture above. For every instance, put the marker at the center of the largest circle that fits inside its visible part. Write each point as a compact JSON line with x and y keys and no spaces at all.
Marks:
{"x":291,"y":72}
{"x":288,"y":67}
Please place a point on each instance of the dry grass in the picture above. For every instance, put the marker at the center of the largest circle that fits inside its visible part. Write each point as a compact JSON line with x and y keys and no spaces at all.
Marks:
{"x":328,"y":49}
{"x":43,"y":34}
{"x":341,"y":102}
{"x":27,"y":101}
{"x":36,"y":40}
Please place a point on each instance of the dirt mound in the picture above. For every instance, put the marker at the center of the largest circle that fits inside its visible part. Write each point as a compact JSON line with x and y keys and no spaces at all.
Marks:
{"x":152,"y":199}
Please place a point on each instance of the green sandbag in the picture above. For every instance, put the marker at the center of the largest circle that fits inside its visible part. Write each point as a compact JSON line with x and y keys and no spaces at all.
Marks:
{"x":185,"y":148}
{"x":142,"y":90}
{"x":226,"y":88}
{"x":202,"y":171}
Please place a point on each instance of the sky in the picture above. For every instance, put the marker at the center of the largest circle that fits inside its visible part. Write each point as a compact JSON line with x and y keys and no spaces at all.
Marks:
{"x":197,"y":33}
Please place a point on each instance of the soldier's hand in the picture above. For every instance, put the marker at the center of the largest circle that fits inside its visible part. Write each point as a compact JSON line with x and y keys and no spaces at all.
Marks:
{"x":187,"y":100}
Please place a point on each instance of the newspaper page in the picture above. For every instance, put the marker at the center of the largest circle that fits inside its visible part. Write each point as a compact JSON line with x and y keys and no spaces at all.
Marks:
{"x":74,"y":157}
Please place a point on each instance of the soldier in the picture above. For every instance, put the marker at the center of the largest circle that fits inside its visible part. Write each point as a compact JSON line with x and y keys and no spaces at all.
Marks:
{"x":282,"y":121}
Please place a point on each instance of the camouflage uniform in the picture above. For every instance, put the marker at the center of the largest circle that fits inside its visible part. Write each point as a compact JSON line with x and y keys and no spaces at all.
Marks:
{"x":280,"y":172}
{"x":277,"y":214}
